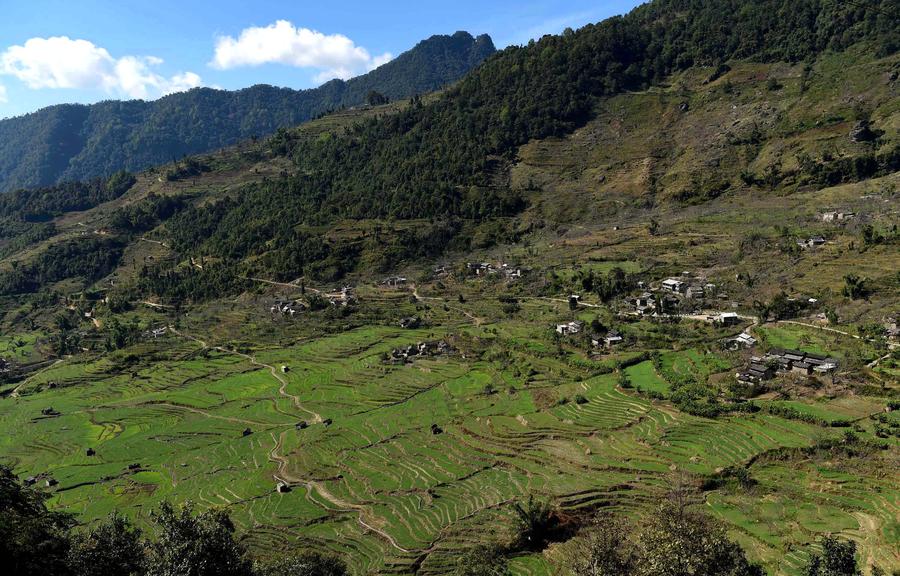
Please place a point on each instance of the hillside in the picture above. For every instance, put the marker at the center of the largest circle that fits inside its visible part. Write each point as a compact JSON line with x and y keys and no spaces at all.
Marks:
{"x":77,"y":142}
{"x":358,"y":336}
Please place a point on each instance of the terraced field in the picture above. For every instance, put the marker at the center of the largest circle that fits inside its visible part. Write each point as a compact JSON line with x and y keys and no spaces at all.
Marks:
{"x":183,"y":419}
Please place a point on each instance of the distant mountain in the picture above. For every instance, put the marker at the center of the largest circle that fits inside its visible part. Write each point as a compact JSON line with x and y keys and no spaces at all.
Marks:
{"x":77,"y":142}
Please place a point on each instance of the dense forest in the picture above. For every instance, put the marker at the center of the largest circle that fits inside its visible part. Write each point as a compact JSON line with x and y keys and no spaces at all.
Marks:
{"x":76,"y":142}
{"x":25,"y":215}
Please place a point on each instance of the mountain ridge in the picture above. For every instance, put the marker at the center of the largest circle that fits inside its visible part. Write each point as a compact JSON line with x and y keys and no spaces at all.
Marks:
{"x":80,"y":142}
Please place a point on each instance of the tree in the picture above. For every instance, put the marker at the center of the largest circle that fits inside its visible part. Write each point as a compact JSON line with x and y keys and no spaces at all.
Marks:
{"x":688,"y":543}
{"x":201,"y":545}
{"x":855,"y":287}
{"x":114,"y":548}
{"x":838,"y":558}
{"x":375,"y":98}
{"x":303,"y":564}
{"x":33,"y":540}
{"x":482,"y":561}
{"x":605,"y":550}
{"x":536,"y":521}
{"x":653,"y":227}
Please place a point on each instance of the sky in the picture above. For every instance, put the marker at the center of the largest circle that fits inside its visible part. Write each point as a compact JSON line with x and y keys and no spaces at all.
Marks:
{"x":61,"y":51}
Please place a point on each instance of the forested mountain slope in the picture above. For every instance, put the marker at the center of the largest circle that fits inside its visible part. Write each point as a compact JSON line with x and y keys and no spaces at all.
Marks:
{"x":76,"y":142}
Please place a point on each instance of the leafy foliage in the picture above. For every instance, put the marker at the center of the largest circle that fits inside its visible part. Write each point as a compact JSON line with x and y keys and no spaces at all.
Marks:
{"x":189,"y":545}
{"x":674,"y":542}
{"x":33,"y":540}
{"x":838,"y":558}
{"x":305,"y":564}
{"x":114,"y":548}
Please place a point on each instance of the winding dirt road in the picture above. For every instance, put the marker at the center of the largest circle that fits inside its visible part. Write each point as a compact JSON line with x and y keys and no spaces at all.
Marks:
{"x":366,"y":519}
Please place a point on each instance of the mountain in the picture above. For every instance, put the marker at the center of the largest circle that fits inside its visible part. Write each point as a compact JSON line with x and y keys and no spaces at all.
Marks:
{"x":358,"y":337}
{"x":77,"y":142}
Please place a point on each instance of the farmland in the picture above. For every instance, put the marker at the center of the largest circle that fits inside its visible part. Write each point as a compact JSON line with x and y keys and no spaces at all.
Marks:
{"x":378,"y":485}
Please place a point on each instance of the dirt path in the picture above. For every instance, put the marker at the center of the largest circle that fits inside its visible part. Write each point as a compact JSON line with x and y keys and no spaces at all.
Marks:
{"x":561,"y":301}
{"x":272,"y":370}
{"x":163,"y":244}
{"x":15,"y":392}
{"x":282,"y":475}
{"x":155,"y":305}
{"x":293,"y":284}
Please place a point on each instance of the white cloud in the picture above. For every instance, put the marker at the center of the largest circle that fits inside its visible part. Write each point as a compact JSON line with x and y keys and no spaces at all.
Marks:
{"x":3,"y":98}
{"x":335,"y":55}
{"x":61,"y":62}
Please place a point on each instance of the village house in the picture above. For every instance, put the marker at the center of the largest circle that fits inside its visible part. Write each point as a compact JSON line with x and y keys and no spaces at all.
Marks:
{"x":890,"y":327}
{"x":645,"y":303}
{"x":758,"y":371}
{"x":613,"y":338}
{"x":727,"y":319}
{"x":394,"y":281}
{"x":511,"y":272}
{"x":811,"y":242}
{"x":673,"y":285}
{"x":481,"y":268}
{"x":410,"y":322}
{"x":837,"y":216}
{"x":157,"y":332}
{"x":570,"y":328}
{"x":422,"y":349}
{"x":695,"y":292}
{"x":743,"y":340}
{"x":343,"y":297}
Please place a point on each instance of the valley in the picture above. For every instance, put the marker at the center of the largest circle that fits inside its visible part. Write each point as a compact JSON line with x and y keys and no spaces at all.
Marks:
{"x":695,"y":284}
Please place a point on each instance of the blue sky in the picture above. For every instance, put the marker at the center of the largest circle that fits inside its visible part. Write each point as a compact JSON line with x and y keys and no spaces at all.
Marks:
{"x":55,"y":51}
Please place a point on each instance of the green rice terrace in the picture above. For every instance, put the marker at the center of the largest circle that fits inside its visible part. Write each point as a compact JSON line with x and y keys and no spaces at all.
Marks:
{"x":398,"y":466}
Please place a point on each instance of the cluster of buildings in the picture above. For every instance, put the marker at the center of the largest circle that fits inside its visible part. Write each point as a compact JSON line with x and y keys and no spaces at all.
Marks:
{"x":343,"y":297}
{"x":287,"y":307}
{"x":422,"y":349}
{"x":574,"y":327}
{"x":689,"y":287}
{"x":5,"y":366}
{"x":338,"y":297}
{"x":671,"y":292}
{"x":776,"y":362}
{"x":487,"y":269}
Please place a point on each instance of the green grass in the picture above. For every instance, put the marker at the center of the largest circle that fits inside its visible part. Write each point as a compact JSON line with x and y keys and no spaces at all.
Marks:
{"x":643,"y":377}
